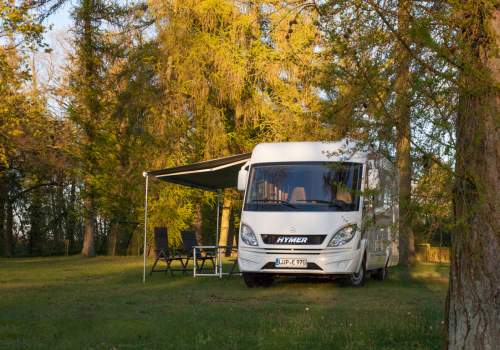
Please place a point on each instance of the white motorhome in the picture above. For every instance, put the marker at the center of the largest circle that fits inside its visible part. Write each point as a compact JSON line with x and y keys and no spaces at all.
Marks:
{"x":317,"y":208}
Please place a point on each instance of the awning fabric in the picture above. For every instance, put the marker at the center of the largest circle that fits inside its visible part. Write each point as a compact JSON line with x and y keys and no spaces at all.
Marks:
{"x":210,"y":175}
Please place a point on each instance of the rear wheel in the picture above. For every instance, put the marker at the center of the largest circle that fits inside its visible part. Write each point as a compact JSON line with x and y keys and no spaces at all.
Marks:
{"x":257,"y":279}
{"x":380,"y":274}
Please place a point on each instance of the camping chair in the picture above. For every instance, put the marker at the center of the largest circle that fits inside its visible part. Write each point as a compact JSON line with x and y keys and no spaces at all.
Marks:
{"x":188,"y":242}
{"x":163,"y":252}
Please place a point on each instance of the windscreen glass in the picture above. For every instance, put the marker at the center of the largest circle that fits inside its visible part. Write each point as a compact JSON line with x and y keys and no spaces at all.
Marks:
{"x":332,"y":186}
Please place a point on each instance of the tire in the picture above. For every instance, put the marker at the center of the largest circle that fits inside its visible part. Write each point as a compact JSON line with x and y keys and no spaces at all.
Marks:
{"x":249,"y":279}
{"x":380,"y":274}
{"x":257,"y":280}
{"x":358,"y":279}
{"x":265,"y":280}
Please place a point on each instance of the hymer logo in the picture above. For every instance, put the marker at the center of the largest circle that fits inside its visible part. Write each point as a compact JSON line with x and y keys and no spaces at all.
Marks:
{"x":291,"y":240}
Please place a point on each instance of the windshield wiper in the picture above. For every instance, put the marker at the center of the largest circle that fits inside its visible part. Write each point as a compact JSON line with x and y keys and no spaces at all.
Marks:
{"x":266,"y":200}
{"x":337,"y":202}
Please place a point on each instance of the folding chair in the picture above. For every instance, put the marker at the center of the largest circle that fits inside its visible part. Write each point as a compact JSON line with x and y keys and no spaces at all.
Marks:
{"x":163,"y":252}
{"x":188,"y":242}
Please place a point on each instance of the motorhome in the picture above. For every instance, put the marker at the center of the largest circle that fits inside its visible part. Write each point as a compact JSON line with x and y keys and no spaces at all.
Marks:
{"x":317,"y":208}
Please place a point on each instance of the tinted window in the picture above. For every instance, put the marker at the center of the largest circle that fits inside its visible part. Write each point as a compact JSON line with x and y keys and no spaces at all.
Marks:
{"x":332,"y":186}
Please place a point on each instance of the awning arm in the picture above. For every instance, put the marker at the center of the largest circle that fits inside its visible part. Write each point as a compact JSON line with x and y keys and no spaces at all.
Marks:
{"x":145,"y":174}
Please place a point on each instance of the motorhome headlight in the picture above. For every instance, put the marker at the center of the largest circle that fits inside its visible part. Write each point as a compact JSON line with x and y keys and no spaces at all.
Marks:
{"x":343,"y":236}
{"x":247,"y":235}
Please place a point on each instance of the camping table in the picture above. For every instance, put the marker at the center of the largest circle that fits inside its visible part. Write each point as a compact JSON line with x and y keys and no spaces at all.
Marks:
{"x":218,"y":260}
{"x":222,"y":249}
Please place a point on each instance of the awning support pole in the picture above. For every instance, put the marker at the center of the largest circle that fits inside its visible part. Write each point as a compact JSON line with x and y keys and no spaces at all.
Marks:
{"x":218,"y":234}
{"x":145,"y":227}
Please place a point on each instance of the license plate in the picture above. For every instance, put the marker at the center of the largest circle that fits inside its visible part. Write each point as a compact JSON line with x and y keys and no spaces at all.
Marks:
{"x":291,"y":263}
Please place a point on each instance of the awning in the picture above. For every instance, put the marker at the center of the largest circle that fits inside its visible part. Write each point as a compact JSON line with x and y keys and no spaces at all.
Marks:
{"x":210,"y":175}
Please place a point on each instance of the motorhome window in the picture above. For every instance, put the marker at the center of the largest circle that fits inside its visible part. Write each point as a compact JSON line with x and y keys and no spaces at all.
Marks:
{"x":318,"y":186}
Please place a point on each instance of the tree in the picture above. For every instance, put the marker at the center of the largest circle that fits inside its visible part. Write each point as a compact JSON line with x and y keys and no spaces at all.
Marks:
{"x":472,"y":309}
{"x":89,"y":96}
{"x":402,"y":106}
{"x":21,"y":115}
{"x":87,"y":114}
{"x":233,"y":75}
{"x":390,"y":83}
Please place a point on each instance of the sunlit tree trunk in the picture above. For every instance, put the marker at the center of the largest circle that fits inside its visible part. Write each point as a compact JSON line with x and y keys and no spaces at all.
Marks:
{"x":474,"y":290}
{"x":113,"y":239}
{"x":198,"y":223}
{"x":403,"y":126}
{"x":89,"y":229}
{"x":234,"y":251}
{"x":224,"y":238}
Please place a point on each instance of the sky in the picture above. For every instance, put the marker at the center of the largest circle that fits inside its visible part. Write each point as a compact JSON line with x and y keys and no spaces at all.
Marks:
{"x":62,"y":18}
{"x":49,"y":66}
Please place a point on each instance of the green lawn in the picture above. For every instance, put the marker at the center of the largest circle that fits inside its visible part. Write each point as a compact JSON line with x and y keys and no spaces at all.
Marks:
{"x":101,"y":303}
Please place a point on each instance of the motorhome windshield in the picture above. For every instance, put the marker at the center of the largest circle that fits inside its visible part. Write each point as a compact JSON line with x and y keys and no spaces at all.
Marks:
{"x":312,"y":186}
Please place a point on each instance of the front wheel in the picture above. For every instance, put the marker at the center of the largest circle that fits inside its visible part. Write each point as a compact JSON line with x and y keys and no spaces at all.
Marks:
{"x":358,"y":279}
{"x":257,"y":279}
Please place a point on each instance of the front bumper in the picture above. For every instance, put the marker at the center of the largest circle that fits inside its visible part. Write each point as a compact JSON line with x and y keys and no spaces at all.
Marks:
{"x":330,"y":261}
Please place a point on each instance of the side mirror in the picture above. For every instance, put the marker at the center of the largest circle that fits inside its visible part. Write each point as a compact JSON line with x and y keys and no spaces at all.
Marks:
{"x":242,"y":178}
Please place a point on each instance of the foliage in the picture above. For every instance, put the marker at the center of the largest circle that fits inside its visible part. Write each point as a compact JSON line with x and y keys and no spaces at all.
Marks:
{"x":166,"y":83}
{"x":31,"y":156}
{"x":18,"y":31}
{"x":362,"y":41}
{"x":228,"y":81}
{"x":173,"y":209}
{"x":433,"y":197}
{"x":231,"y":76}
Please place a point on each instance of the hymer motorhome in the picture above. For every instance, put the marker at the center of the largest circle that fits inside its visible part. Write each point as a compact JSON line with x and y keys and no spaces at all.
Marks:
{"x":317,"y":208}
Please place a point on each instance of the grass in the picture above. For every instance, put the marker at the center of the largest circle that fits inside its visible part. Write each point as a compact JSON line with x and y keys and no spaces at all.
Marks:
{"x":101,"y":303}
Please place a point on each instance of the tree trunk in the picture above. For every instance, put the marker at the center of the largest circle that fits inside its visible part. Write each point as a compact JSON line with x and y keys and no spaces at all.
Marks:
{"x":89,"y":228}
{"x":60,"y":207}
{"x":71,"y":221}
{"x":225,"y":221}
{"x":9,"y":228}
{"x":3,"y":199}
{"x":36,"y":217}
{"x":113,"y":238}
{"x":91,"y":110}
{"x":472,"y":307}
{"x":234,"y":252}
{"x":6,"y":217}
{"x":198,"y":224}
{"x":403,"y":148}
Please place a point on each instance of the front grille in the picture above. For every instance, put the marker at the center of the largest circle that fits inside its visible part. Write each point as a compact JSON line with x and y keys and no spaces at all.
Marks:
{"x":310,"y":266}
{"x":293,"y":239}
